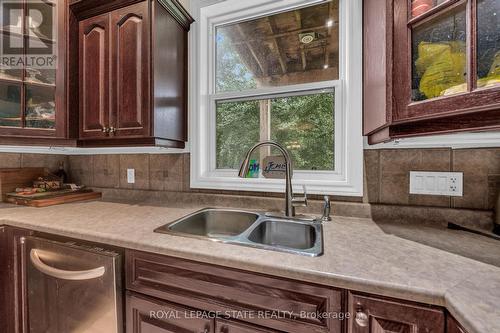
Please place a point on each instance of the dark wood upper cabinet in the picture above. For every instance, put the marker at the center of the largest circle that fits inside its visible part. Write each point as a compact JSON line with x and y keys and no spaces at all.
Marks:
{"x":130,"y":70}
{"x":119,"y":77}
{"x":33,"y":94}
{"x":374,"y":315}
{"x":142,"y":72}
{"x":430,"y":67}
{"x":94,"y":71}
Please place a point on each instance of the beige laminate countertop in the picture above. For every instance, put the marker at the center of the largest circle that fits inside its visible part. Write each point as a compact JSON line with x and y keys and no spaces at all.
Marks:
{"x":359,"y":254}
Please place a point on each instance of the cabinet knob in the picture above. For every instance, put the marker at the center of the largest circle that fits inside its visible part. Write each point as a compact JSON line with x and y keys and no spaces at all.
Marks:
{"x":105,"y":129}
{"x":112,"y":129}
{"x":361,"y":316}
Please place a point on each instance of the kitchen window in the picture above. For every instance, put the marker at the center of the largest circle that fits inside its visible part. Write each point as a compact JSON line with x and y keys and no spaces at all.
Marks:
{"x":288,"y":71}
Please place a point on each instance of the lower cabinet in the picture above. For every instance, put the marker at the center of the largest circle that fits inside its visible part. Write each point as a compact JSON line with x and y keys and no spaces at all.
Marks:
{"x":257,"y":300}
{"x":452,"y":326}
{"x":376,"y":315}
{"x":235,"y":301}
{"x":231,"y":326}
{"x":171,"y":295}
{"x":147,"y":315}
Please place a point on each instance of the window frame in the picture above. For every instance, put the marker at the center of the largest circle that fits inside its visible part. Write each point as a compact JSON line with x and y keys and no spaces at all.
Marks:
{"x":347,"y":178}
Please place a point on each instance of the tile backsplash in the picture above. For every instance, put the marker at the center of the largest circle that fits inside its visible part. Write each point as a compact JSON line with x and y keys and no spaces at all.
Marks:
{"x":386,"y":173}
{"x":16,"y":160}
{"x":387,"y":176}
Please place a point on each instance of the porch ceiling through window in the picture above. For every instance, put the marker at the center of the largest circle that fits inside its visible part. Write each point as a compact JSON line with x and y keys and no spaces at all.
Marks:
{"x":293,"y":47}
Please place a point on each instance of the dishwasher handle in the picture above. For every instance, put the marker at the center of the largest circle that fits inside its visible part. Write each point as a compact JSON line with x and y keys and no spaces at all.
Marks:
{"x":63,"y":274}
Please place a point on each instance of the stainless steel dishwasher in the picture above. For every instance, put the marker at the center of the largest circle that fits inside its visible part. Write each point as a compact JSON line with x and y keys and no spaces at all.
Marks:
{"x":71,"y":288}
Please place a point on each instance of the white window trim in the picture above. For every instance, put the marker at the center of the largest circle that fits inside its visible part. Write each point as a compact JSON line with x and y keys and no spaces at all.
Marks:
{"x":347,"y":179}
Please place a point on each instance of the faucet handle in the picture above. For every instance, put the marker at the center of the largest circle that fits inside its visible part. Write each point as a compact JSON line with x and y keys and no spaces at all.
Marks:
{"x":300,"y":201}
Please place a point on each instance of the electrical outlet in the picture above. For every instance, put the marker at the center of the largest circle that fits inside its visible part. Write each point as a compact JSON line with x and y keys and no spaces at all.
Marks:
{"x":131,"y":176}
{"x":437,"y":183}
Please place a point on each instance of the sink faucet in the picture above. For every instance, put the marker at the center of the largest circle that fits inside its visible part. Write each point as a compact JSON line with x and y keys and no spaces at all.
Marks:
{"x":290,"y":200}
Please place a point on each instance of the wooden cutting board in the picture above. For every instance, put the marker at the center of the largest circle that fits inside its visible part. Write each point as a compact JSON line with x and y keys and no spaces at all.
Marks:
{"x":52,"y":200}
{"x":10,"y":179}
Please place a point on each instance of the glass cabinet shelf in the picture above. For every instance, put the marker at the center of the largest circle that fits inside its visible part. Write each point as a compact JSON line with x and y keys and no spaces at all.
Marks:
{"x":27,"y":88}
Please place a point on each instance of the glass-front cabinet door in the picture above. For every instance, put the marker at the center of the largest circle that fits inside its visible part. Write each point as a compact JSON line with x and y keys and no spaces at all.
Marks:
{"x":29,"y":67}
{"x":447,"y":53}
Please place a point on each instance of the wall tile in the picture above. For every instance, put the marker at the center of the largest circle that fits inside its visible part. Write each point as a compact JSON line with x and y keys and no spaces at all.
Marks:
{"x":395,"y":167}
{"x":394,"y":189}
{"x":493,"y":189}
{"x":372,"y":176}
{"x":106,"y":171}
{"x":394,"y":177}
{"x":50,"y":162}
{"x":187,"y":172}
{"x":139,"y":162}
{"x":166,"y":172}
{"x":80,"y":169}
{"x":481,"y":168}
{"x":10,"y":160}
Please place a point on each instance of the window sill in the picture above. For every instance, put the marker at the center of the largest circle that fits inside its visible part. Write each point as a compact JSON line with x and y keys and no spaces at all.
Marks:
{"x":320,"y":187}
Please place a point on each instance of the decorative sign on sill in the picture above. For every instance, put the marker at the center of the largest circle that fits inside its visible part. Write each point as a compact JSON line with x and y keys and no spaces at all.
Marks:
{"x":253,"y":170}
{"x":274,"y":167}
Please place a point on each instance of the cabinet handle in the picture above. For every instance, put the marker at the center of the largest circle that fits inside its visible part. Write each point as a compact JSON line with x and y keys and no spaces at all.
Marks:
{"x":63,"y":274}
{"x":361,"y":316}
{"x":112,"y":129}
{"x":105,"y":129}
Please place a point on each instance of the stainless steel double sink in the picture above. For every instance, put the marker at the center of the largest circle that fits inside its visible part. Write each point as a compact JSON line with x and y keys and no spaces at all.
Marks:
{"x":252,"y":229}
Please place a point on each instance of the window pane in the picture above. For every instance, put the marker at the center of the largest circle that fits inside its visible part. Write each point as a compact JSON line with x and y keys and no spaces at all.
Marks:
{"x":439,"y":56}
{"x":10,"y":105}
{"x":418,"y":7}
{"x":237,"y":131}
{"x":40,"y":107}
{"x":293,"y":47}
{"x":488,"y":43}
{"x":303,"y":124}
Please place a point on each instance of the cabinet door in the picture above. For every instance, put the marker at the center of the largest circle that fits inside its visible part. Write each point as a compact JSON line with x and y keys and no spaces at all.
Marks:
{"x":94,"y":76}
{"x":147,"y":315}
{"x":230,"y":326}
{"x":372,"y":315}
{"x":130,"y":70}
{"x":452,"y":326}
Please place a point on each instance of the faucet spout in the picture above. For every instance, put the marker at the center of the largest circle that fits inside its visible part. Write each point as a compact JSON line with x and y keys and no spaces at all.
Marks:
{"x":289,"y":208}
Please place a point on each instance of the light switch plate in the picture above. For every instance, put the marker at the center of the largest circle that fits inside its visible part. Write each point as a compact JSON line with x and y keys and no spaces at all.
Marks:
{"x":437,"y":183}
{"x":131,"y":176}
